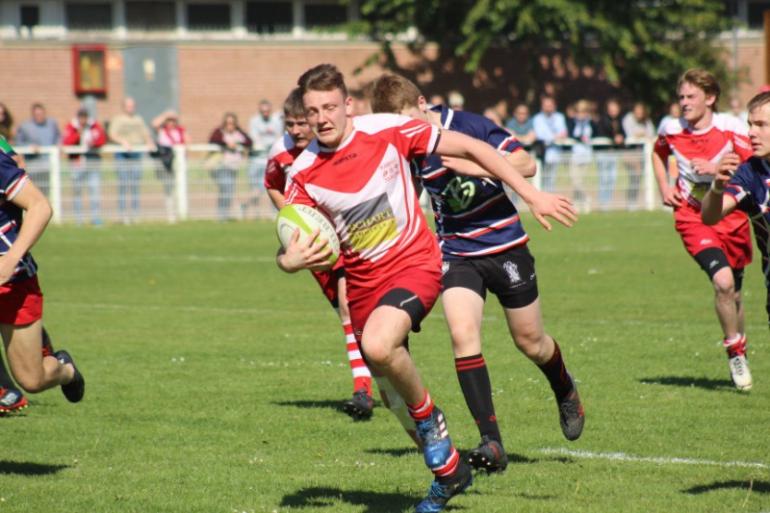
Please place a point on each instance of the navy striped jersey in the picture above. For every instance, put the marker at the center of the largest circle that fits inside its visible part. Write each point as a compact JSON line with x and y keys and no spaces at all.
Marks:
{"x":474,"y":217}
{"x":12,"y":180}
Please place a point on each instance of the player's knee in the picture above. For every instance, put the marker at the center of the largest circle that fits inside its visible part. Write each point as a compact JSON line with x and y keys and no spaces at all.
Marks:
{"x":531,"y":343}
{"x":724,"y":284}
{"x":464,"y":334}
{"x":377,"y":354}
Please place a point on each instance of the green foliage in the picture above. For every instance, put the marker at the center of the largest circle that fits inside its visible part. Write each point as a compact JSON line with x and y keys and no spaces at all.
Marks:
{"x":641,"y":45}
{"x":213,"y":382}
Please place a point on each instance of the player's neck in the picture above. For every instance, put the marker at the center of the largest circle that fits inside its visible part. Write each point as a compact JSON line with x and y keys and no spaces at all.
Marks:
{"x":704,"y":122}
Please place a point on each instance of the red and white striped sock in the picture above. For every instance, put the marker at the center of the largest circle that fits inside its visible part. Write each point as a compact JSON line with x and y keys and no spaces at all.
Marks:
{"x":362,"y":378}
{"x":423,"y":409}
{"x":735,"y":346}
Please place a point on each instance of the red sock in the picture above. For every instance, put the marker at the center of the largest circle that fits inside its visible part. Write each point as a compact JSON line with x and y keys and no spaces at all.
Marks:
{"x":423,"y":409}
{"x":362,"y":378}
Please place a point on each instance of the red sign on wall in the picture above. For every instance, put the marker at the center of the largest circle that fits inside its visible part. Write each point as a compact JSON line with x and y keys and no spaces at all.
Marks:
{"x":89,"y":69}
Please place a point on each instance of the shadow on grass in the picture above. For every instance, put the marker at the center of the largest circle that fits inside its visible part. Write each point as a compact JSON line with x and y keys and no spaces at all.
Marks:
{"x":690,"y":381}
{"x":375,"y":502}
{"x":755,"y":486}
{"x":29,"y":469}
{"x":396,"y":453}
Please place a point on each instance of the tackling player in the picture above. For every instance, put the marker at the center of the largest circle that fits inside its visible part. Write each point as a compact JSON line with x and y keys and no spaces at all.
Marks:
{"x":746,"y":187}
{"x":357,"y":173}
{"x":484,"y":247}
{"x":24,"y":214}
{"x":280,"y":157}
{"x":698,"y":140}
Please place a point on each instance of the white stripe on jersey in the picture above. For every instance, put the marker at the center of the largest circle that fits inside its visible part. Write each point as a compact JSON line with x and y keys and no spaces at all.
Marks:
{"x":491,"y":250}
{"x":478,"y":231}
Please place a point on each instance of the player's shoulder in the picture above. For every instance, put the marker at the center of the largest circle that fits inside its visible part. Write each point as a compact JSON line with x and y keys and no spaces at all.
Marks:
{"x":305,"y":160}
{"x":730,"y":123}
{"x":672,"y":126}
{"x":374,"y":123}
{"x":282,"y":145}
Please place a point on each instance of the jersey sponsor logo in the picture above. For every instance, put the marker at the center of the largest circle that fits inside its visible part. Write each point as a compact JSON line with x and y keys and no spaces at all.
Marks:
{"x":345,"y":158}
{"x":512,"y":270}
{"x":459,"y":193}
{"x":370,"y":223}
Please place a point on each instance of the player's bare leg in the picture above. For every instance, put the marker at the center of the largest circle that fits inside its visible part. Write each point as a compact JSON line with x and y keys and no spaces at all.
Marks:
{"x":383,"y":343}
{"x":526,"y":327}
{"x":729,"y":309}
{"x":463,"y":310}
{"x":33,"y":372}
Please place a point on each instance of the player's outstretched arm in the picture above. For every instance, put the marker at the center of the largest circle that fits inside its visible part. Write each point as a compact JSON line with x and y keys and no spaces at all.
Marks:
{"x":715,"y":204}
{"x":312,"y":253}
{"x":541,"y":204}
{"x":37,"y":213}
{"x":522,"y":163}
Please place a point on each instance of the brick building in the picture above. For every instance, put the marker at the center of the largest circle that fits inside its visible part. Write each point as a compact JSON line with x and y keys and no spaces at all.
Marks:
{"x":205,"y":57}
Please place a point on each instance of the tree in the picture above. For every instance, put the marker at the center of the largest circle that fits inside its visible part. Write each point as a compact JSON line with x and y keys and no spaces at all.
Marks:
{"x":639,"y":46}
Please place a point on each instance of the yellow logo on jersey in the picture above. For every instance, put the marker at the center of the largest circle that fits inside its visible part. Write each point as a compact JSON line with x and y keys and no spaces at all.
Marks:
{"x":373,"y":231}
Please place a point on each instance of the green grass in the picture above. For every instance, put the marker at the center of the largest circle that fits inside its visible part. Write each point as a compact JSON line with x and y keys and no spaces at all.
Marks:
{"x":213,"y":382}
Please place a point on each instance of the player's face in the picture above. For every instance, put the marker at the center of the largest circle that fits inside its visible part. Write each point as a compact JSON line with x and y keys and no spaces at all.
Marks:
{"x":328,"y":113}
{"x":299,"y":130}
{"x":759,"y":130}
{"x":694,"y":102}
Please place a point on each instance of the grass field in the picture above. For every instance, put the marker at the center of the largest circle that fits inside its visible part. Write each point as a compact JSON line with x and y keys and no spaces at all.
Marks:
{"x":213,"y":384}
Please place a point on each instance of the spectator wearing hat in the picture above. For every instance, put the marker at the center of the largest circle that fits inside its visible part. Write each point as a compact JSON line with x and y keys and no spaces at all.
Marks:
{"x":85,"y":166}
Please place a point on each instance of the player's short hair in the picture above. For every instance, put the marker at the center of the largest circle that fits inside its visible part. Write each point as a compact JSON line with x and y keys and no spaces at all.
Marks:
{"x":324,"y":77}
{"x":293,"y":106}
{"x":394,"y":93}
{"x":704,"y":81}
{"x":758,"y":101}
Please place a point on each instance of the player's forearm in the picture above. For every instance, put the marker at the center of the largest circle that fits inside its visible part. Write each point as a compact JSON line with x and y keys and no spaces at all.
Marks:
{"x":659,"y":169}
{"x":276,"y":197}
{"x":36,"y":218}
{"x":711,"y":207}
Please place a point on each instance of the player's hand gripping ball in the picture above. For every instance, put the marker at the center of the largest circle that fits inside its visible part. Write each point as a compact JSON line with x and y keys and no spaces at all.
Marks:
{"x":306,"y":219}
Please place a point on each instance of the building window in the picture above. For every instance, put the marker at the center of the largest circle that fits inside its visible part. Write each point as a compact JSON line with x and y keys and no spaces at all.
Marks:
{"x":29,"y":16}
{"x":88,"y":16}
{"x":208,"y":17}
{"x":325,"y":15}
{"x":269,"y":17}
{"x":158,"y":15}
{"x":757,"y":14}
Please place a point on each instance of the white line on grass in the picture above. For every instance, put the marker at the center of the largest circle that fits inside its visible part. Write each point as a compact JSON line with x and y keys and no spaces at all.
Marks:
{"x":621,"y":456}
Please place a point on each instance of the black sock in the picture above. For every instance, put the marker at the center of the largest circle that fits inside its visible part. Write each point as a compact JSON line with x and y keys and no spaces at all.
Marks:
{"x":557,"y":374}
{"x":477,"y":389}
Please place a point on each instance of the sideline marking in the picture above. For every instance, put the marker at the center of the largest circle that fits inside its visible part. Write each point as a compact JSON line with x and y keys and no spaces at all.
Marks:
{"x":621,"y":456}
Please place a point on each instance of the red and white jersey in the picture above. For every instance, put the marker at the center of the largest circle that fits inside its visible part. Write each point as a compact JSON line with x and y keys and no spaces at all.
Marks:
{"x":726,"y":134}
{"x":365,"y":187}
{"x":280,"y":157}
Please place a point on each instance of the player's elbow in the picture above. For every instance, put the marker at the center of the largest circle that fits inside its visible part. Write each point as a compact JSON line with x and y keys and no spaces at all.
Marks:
{"x":530,"y":169}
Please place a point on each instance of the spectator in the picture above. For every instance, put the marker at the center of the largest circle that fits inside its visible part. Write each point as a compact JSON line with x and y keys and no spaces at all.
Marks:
{"x":87,"y":133}
{"x":436,"y":99}
{"x":130,"y":131}
{"x":456,"y":100}
{"x":674,"y":112}
{"x":638,"y":128}
{"x":265,"y":128}
{"x":36,"y":132}
{"x":6,"y":123}
{"x":610,"y":127}
{"x":521,"y":125}
{"x":550,"y":128}
{"x":169,"y":133}
{"x":582,"y":129}
{"x":235,"y":145}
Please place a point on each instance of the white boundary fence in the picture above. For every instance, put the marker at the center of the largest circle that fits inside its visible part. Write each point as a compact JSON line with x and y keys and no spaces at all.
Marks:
{"x":103,"y":187}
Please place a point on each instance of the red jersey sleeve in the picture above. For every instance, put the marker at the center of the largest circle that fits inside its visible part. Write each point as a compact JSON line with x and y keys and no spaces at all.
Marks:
{"x":662,"y":149}
{"x":275,"y":176}
{"x":412,"y":137}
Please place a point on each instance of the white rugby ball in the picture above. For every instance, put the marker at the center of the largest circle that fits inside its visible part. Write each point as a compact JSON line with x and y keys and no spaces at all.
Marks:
{"x":306,"y":219}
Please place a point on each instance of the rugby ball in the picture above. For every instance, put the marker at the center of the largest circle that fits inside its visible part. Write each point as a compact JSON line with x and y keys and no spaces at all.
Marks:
{"x":306,"y":219}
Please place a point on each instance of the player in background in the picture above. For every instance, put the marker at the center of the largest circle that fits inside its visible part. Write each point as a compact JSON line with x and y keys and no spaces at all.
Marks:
{"x":357,"y":173}
{"x":698,"y":140}
{"x":295,"y":139}
{"x":24,"y":214}
{"x":484,"y":247}
{"x":746,"y":187}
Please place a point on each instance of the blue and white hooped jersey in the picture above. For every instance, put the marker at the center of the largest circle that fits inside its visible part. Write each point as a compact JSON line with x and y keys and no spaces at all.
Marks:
{"x":750,"y":187}
{"x":12,"y":180}
{"x":474,"y":216}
